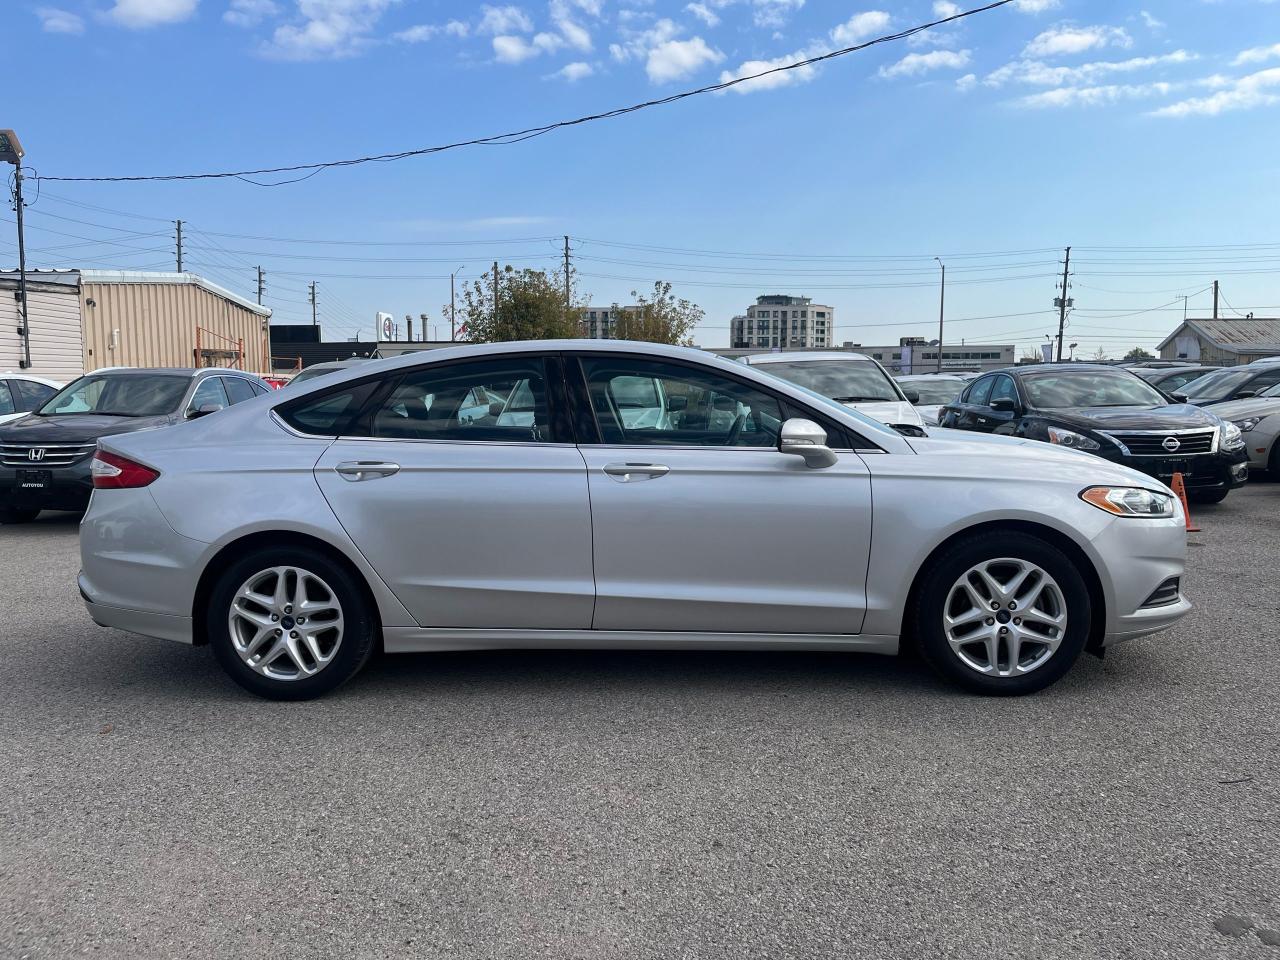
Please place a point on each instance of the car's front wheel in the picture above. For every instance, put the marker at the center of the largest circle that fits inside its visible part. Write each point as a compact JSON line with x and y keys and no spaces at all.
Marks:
{"x":1002,"y":613}
{"x":290,"y":623}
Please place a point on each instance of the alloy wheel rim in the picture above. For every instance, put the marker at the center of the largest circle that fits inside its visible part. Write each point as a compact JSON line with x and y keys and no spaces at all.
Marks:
{"x":286,"y":623}
{"x":1005,"y":617}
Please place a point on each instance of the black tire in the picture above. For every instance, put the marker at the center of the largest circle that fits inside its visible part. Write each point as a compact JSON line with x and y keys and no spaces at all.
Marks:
{"x":17,"y":515}
{"x":358,"y":638}
{"x":1208,"y":496}
{"x":1273,"y":461}
{"x":926,"y":617}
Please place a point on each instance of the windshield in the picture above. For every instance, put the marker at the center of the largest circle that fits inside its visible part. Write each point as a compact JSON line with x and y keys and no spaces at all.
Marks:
{"x":312,"y":372}
{"x":1101,"y":388}
{"x":934,"y":391}
{"x":1217,"y":384}
{"x":847,"y":381}
{"x":131,"y":395}
{"x":1273,"y":391}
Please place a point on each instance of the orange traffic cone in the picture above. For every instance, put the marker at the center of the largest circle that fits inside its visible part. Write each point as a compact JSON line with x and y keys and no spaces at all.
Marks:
{"x":1180,"y":489}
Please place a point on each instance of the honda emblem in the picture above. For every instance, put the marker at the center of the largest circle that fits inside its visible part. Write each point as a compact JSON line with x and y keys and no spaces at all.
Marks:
{"x":1171,"y":443}
{"x":35,"y":454}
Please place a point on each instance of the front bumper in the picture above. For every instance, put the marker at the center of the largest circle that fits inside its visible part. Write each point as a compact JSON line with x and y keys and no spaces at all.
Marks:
{"x":64,"y":488}
{"x":1225,"y":470}
{"x":1138,"y":557}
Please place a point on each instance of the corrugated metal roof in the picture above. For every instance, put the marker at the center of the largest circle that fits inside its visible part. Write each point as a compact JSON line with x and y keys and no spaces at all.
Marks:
{"x":147,"y":276}
{"x":1236,"y":334}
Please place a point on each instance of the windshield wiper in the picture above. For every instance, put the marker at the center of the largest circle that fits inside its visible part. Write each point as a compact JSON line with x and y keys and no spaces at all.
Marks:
{"x":860,"y":399}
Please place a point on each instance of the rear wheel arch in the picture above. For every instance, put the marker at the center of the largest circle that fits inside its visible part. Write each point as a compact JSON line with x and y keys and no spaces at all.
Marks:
{"x":236,"y":549}
{"x":1056,"y":538}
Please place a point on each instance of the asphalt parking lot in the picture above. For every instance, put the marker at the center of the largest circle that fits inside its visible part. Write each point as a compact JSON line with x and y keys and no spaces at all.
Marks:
{"x":644,"y":805}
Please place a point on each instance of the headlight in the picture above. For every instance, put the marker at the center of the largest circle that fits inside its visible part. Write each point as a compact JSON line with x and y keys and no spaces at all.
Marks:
{"x":1247,"y":424}
{"x":1232,"y":439}
{"x":1069,"y":438}
{"x":1129,"y":501}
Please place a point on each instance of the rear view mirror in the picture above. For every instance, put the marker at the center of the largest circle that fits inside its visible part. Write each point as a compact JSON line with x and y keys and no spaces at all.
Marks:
{"x":804,"y":438}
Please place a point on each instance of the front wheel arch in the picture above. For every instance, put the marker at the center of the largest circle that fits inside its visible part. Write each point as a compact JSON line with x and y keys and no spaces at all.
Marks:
{"x":236,"y":549}
{"x":1097,"y":598}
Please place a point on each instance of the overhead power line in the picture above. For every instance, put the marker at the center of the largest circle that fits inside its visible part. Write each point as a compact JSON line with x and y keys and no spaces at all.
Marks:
{"x":516,"y":136}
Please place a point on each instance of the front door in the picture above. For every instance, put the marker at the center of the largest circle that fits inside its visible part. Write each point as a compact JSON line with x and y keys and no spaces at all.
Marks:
{"x":700,"y":524}
{"x":464,"y":492}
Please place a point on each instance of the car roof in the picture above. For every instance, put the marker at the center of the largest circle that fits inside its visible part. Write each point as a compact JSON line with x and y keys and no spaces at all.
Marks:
{"x":1031,"y":368}
{"x":802,"y":356}
{"x":337,"y":364}
{"x":932,"y":377}
{"x":169,"y":371}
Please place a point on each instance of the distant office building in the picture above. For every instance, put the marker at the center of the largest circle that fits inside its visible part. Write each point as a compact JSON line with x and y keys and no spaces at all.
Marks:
{"x":601,"y":323}
{"x":795,"y":323}
{"x":916,"y":355}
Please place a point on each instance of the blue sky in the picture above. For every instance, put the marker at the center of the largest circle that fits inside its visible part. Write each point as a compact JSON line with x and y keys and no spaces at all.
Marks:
{"x":1145,"y":134}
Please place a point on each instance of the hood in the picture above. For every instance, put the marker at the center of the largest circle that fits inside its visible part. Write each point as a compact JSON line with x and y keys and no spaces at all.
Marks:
{"x":1014,"y":455}
{"x":74,"y":427}
{"x":1182,"y":416}
{"x":888,"y":411}
{"x":1251,"y":407}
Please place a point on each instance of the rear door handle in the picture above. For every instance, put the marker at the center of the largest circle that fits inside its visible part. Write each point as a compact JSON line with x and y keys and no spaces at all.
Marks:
{"x":632,"y":472}
{"x":357,"y":470}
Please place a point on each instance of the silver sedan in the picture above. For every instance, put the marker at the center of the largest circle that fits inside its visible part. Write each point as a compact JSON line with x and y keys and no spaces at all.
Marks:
{"x":613,"y":494}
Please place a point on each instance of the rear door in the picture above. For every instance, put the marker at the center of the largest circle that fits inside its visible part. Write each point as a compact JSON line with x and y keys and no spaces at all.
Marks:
{"x":968,"y":413}
{"x":462,"y":486}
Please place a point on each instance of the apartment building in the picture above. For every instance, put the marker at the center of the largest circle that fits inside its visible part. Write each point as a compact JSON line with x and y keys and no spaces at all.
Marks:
{"x":784,"y":322}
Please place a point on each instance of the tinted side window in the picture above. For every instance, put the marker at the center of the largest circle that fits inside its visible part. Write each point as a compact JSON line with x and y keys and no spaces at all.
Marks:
{"x":238,"y":389}
{"x":258,"y":389}
{"x":29,"y":395}
{"x":6,"y":401}
{"x":1267,"y":379}
{"x":980,"y":393}
{"x":651,"y":402}
{"x":487,"y":400}
{"x":1004,"y":388}
{"x":329,"y":413}
{"x":210,"y":393}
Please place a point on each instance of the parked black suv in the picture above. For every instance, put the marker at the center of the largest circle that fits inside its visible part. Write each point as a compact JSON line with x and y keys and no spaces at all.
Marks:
{"x":1112,"y":413}
{"x":44,"y":456}
{"x":1233,"y":383}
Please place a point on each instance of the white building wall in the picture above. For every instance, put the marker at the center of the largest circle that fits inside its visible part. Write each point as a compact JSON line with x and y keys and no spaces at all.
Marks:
{"x":57,"y":347}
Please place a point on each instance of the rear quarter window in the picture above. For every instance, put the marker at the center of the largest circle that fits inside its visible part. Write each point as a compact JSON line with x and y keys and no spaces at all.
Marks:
{"x":329,"y":413}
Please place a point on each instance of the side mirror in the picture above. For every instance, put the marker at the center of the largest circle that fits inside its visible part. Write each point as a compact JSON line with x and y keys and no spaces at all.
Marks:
{"x":804,"y":438}
{"x":676,"y":404}
{"x":1246,"y":394}
{"x":913,"y":396}
{"x":1180,"y":397}
{"x":203,"y":411}
{"x":1003,"y":405}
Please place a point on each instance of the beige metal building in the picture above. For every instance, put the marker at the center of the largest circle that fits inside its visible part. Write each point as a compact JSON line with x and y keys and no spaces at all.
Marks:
{"x":82,"y":320}
{"x":1223,"y":342}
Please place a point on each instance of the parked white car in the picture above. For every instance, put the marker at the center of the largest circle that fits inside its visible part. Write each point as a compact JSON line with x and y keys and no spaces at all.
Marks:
{"x":294,"y":532}
{"x":20,"y":393}
{"x":854,"y":379}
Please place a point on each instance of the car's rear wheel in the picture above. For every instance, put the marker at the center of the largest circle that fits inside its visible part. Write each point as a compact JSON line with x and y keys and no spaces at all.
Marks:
{"x":290,"y":623}
{"x":1002,"y":613}
{"x":17,"y":515}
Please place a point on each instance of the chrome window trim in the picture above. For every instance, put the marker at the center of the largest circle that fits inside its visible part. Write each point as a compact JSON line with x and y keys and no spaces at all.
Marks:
{"x":333,"y":438}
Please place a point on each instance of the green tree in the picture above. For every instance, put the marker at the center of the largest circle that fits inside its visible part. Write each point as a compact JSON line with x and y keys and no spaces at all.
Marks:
{"x":531,"y":306}
{"x":662,"y":318}
{"x":1137,"y":353}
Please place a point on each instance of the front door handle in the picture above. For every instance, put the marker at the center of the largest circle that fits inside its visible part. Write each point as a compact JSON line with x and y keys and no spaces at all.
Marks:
{"x":632,"y":472}
{"x":357,"y":470}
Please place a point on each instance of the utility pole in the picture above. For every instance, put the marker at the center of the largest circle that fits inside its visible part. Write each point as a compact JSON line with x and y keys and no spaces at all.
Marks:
{"x":1062,"y":302}
{"x":261,"y":286}
{"x":1215,"y":300}
{"x":566,"y":280}
{"x":179,"y":222}
{"x":11,"y":151}
{"x":942,"y":302}
{"x":453,"y":306}
{"x":312,"y":298}
{"x":495,"y":296}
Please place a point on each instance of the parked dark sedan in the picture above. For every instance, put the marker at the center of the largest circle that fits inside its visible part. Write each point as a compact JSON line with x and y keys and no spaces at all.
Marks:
{"x":1233,"y":383}
{"x":44,"y":456}
{"x":1109,"y":412}
{"x":1172,"y":379}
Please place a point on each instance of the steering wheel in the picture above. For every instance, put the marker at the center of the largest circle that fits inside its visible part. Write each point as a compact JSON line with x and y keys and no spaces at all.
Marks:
{"x":735,"y":430}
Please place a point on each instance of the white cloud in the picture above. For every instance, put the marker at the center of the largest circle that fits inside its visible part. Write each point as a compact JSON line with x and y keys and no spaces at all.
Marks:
{"x":138,"y":14}
{"x":1260,"y":89}
{"x":330,"y":29}
{"x":500,"y":20}
{"x":1151,"y":22}
{"x":1036,"y":6}
{"x":1064,"y":40}
{"x":574,"y":72}
{"x":773,"y":81}
{"x":513,"y":49}
{"x":249,"y":13}
{"x":703,"y":13}
{"x":420,"y":33}
{"x":677,"y":59}
{"x":774,"y":13}
{"x":859,"y":27}
{"x":967,"y":82}
{"x":576,"y":35}
{"x":914,"y":64}
{"x":637,"y":43}
{"x":53,"y":20}
{"x":945,"y":8}
{"x":1038,"y":73}
{"x":1094,"y":96}
{"x":1256,"y":55}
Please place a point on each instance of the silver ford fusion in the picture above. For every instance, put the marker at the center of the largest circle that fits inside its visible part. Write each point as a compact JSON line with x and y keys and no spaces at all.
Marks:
{"x":613,"y":494}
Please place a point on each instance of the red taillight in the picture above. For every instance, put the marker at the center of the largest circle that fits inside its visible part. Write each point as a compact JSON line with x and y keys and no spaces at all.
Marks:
{"x":113,"y":472}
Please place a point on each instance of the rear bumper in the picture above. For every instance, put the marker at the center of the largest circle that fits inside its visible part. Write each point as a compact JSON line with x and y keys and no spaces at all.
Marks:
{"x":147,"y":623}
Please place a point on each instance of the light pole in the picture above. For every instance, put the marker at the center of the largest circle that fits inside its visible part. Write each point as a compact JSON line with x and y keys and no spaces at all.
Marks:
{"x":1072,"y":355}
{"x":11,"y":152}
{"x":942,"y":302}
{"x":453,"y":329}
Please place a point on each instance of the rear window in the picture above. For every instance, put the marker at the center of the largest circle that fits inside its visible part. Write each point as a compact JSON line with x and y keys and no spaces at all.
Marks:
{"x":329,"y":413}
